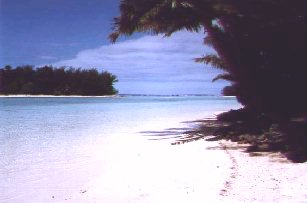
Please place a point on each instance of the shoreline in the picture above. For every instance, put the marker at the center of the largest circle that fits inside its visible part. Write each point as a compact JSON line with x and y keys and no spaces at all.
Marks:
{"x":55,"y":96}
{"x":116,"y":95}
{"x":127,"y":165}
{"x":269,"y":174}
{"x":102,"y":153}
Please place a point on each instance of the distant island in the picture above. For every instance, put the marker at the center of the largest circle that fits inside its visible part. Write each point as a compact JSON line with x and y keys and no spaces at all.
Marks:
{"x":49,"y":80}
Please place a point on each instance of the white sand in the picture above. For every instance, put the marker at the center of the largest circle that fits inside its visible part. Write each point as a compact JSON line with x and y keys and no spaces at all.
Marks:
{"x":140,"y":170}
{"x":193,"y":172}
{"x":131,"y":168}
{"x":127,"y":168}
{"x":267,"y":178}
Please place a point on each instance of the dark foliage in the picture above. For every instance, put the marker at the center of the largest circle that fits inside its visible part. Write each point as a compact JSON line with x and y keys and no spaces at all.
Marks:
{"x":48,"y":80}
{"x":260,"y":46}
{"x":265,"y":54}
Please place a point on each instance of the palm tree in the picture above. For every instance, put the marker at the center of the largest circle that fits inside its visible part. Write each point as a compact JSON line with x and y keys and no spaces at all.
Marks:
{"x":249,"y":37}
{"x":168,"y":16}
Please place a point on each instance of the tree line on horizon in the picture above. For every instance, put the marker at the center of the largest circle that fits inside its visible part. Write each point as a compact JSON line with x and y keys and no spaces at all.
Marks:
{"x":49,"y":80}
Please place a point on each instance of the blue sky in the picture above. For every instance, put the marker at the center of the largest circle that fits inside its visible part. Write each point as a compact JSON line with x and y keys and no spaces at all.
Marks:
{"x":74,"y":33}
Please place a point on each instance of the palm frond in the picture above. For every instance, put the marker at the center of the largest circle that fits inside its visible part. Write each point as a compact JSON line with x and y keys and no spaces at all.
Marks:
{"x":157,"y":17}
{"x":224,"y":76}
{"x":213,"y":60}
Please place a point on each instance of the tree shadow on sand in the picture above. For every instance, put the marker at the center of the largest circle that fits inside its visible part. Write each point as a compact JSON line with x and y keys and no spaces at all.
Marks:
{"x":256,"y":135}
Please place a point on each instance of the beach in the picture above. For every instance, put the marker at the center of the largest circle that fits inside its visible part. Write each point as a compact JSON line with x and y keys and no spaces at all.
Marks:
{"x":119,"y":150}
{"x":269,"y":177}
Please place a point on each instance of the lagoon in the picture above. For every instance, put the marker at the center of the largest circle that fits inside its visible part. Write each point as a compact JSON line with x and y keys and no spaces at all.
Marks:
{"x":95,"y":149}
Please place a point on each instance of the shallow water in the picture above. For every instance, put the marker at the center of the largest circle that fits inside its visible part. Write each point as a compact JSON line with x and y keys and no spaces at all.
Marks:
{"x":57,"y":147}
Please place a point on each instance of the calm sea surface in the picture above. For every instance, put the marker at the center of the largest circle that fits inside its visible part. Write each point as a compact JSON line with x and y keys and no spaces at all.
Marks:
{"x":43,"y":141}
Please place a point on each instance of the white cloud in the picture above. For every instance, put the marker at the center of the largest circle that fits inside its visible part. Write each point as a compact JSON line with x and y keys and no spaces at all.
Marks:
{"x":150,"y":58}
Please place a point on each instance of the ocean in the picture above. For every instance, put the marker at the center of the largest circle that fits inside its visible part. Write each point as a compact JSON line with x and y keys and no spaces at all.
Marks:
{"x":55,"y":149}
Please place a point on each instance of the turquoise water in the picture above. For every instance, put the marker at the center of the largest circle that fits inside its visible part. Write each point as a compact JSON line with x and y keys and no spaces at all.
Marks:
{"x":41,"y":136}
{"x":27,"y":122}
{"x":44,"y":118}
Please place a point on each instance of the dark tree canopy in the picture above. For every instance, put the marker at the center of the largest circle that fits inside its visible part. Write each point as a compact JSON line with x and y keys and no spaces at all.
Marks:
{"x":48,"y":80}
{"x":260,"y":44}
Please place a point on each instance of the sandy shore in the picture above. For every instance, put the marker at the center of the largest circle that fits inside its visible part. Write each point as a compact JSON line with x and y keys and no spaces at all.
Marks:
{"x":200,"y":171}
{"x":138,"y":170}
{"x":157,"y":172}
{"x":267,"y":177}
{"x":128,"y":168}
{"x":132,"y":165}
